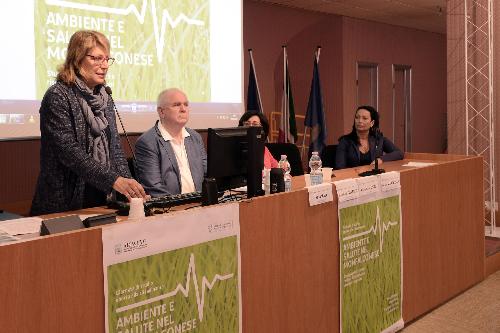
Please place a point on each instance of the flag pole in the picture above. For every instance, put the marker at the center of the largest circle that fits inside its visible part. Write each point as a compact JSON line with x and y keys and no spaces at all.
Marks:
{"x":285,"y":94}
{"x":303,"y":143}
{"x":318,"y":51}
{"x":256,"y":81}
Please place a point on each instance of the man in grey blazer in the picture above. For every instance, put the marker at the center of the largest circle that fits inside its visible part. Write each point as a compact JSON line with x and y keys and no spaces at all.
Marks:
{"x":171,"y":158}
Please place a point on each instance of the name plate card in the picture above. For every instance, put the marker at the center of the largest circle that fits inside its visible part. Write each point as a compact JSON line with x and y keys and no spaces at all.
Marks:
{"x":390,"y":181}
{"x":368,"y":185}
{"x":347,"y":189}
{"x":319,"y":194}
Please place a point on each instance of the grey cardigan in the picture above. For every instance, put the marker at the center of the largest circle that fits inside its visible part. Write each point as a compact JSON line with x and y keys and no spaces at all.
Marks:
{"x":66,"y":163}
{"x":157,"y":168}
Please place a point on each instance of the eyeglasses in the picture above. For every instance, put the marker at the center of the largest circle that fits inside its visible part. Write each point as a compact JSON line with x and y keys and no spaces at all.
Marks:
{"x":252,"y":123}
{"x":100,"y":59}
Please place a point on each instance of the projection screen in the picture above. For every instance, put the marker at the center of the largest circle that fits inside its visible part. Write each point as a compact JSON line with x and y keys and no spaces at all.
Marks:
{"x":195,"y":45}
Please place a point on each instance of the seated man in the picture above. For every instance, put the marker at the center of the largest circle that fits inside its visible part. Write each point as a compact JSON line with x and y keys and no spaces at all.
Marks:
{"x":171,"y":158}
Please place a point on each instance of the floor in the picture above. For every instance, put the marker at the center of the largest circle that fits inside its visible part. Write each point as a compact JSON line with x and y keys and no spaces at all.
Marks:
{"x":476,"y":310}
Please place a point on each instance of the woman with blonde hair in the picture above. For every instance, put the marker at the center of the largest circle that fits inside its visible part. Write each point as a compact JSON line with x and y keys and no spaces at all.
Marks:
{"x":81,"y":158}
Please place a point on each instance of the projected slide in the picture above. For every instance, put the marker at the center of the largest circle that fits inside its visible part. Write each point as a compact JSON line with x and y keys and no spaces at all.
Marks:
{"x":195,"y":45}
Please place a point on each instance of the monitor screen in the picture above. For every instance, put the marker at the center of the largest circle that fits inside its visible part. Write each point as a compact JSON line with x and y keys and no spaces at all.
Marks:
{"x":236,"y":158}
{"x":194,"y":45}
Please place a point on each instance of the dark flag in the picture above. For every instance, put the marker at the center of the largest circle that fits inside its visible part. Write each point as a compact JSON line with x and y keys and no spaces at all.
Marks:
{"x":288,"y":127}
{"x":315,"y":115}
{"x":254,"y":103}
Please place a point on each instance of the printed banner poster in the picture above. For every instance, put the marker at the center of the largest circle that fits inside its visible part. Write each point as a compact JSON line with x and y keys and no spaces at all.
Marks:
{"x":178,"y":273}
{"x":157,"y":43}
{"x":370,"y":264}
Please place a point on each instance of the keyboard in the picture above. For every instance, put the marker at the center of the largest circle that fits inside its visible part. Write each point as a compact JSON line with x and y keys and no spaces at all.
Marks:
{"x":171,"y":200}
{"x":162,"y":202}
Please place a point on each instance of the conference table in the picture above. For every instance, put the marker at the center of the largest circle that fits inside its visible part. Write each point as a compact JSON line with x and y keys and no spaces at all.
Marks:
{"x":289,"y":256}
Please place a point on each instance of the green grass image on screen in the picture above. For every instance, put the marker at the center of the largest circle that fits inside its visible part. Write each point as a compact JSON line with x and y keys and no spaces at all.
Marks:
{"x":214,"y":262}
{"x":158,"y":45}
{"x":366,"y":303}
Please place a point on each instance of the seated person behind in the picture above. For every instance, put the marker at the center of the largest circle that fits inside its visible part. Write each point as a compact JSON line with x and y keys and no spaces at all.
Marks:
{"x":358,"y":147}
{"x":171,"y":158}
{"x":255,"y":118}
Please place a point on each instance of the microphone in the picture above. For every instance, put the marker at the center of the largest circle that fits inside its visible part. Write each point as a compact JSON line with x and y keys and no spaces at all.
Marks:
{"x":110,"y":93}
{"x":375,"y":171}
{"x":378,"y":135}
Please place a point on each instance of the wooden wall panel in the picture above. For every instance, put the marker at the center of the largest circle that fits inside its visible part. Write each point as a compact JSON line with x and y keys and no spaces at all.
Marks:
{"x":19,"y":168}
{"x":443,"y":249}
{"x":53,"y":284}
{"x":456,"y":76}
{"x":290,"y":262}
{"x":386,"y":45}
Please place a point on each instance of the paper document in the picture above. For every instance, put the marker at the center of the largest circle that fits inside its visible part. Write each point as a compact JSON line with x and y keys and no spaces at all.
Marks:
{"x":85,"y":216}
{"x":26,"y":225}
{"x":239,"y":189}
{"x":419,"y":164}
{"x":6,"y":238}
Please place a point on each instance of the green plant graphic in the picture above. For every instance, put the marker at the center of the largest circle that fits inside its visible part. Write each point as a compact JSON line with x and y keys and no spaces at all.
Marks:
{"x":157,"y":44}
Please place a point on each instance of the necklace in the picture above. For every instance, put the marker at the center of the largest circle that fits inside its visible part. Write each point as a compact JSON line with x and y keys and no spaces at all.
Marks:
{"x":363,"y":147}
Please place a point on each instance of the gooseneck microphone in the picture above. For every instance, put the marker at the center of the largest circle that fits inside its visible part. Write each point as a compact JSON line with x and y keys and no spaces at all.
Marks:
{"x":110,"y":92}
{"x":375,"y":170}
{"x":378,"y":135}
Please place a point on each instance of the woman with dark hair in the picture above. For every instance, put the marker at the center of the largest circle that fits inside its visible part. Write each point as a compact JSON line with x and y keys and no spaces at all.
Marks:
{"x":81,"y":158}
{"x":365,"y":142}
{"x":255,"y":118}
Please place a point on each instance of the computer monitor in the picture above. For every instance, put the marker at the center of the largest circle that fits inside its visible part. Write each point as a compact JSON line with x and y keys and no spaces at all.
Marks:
{"x":236,"y":158}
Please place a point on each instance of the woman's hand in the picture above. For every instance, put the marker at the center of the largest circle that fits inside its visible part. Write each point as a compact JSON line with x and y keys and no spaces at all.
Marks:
{"x":379,"y":161}
{"x":130,"y":188}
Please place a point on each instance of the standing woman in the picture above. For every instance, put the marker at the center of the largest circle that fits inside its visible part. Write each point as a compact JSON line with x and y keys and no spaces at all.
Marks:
{"x":81,"y":159}
{"x":358,"y":147}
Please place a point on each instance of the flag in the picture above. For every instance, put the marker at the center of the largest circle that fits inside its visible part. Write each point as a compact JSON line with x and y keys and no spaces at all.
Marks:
{"x":254,"y":103}
{"x":288,"y":127}
{"x":315,"y":115}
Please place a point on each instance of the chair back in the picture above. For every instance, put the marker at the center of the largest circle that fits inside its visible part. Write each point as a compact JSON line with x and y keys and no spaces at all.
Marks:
{"x":328,"y":156}
{"x":293,"y":155}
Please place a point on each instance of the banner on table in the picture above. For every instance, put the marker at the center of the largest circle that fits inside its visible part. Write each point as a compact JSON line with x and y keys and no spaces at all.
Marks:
{"x":174,"y":273}
{"x":370,"y":253}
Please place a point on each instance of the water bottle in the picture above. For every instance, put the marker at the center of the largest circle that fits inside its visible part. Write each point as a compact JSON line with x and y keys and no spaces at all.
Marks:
{"x":266,"y":180}
{"x":315,"y":165}
{"x":283,"y":163}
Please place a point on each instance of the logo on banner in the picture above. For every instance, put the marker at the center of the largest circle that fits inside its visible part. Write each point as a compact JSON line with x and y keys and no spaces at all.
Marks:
{"x":130,"y":246}
{"x":118,"y":249}
{"x":220,"y":227}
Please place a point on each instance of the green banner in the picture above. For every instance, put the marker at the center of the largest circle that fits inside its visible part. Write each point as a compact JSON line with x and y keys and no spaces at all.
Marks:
{"x":370,"y":265}
{"x":192,"y":289}
{"x":157,"y":44}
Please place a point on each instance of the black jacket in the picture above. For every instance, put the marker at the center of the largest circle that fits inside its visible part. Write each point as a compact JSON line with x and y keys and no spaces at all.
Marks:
{"x":347,"y":154}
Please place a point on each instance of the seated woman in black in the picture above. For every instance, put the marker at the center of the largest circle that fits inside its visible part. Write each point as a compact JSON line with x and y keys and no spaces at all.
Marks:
{"x":363,"y":143}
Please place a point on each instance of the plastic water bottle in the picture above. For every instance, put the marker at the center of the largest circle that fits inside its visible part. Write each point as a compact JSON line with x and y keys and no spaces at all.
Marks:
{"x":285,"y":165}
{"x":315,"y":165}
{"x":266,"y":181}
